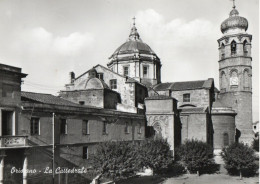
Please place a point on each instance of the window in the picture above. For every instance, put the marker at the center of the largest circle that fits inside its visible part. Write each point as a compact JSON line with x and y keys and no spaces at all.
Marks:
{"x":222,"y":51}
{"x":7,"y":122}
{"x":126,"y":128}
{"x":254,"y":127}
{"x":186,"y":97}
{"x":246,"y":79}
{"x":233,"y":47}
{"x":100,"y":76}
{"x":63,"y":127}
{"x":113,"y":84}
{"x":126,"y":70}
{"x":82,"y":102}
{"x":85,"y":127}
{"x":139,"y":128}
{"x":245,"y":47}
{"x":225,"y":139}
{"x":85,"y":152}
{"x":234,"y":78}
{"x":223,"y":81}
{"x":8,"y":90}
{"x":145,"y":71}
{"x":35,"y":126}
{"x":104,"y":127}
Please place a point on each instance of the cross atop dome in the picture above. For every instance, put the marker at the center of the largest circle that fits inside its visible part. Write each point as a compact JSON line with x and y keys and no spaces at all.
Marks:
{"x":134,"y":35}
{"x":134,"y":20}
{"x":234,"y":5}
{"x":234,"y":11}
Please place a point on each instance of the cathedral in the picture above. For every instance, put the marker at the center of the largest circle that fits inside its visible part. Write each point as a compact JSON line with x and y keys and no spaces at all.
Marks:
{"x":177,"y":111}
{"x":125,"y":101}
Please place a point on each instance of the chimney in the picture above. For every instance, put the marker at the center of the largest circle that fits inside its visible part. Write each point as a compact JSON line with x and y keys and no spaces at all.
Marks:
{"x":72,"y":77}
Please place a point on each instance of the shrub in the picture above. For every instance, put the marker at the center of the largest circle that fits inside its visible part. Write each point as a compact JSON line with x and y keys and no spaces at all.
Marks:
{"x":239,"y":158}
{"x":155,"y":153}
{"x":196,"y":156}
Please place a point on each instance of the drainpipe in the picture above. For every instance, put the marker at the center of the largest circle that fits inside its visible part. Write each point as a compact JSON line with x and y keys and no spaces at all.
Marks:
{"x":53,"y":148}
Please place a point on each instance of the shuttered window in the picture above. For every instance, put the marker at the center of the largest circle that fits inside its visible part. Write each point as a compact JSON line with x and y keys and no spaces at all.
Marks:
{"x":85,"y":152}
{"x":85,"y":127}
{"x":63,"y":127}
{"x":35,"y":126}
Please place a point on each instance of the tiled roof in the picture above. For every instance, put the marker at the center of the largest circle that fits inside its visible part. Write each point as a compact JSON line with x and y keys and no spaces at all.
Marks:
{"x":218,"y":103}
{"x":179,"y":86}
{"x":187,"y":85}
{"x":131,"y":80}
{"x":194,"y":109}
{"x":162,"y":86}
{"x":45,"y":99}
{"x":159,"y":97}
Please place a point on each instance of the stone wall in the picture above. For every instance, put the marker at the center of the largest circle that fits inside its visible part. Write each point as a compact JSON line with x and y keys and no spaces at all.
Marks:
{"x":198,"y":97}
{"x":241,"y":102}
{"x":223,"y":123}
{"x":92,"y":97}
{"x":194,"y":126}
{"x":161,"y":116}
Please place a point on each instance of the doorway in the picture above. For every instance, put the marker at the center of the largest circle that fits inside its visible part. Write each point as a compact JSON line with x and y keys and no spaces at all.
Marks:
{"x":7,"y":122}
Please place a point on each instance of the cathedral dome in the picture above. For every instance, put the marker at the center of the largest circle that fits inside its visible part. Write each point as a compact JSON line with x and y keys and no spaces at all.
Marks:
{"x":134,"y":44}
{"x":234,"y":21}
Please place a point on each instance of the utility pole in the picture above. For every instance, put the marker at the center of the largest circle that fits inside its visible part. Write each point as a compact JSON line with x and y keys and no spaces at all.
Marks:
{"x":53,"y":148}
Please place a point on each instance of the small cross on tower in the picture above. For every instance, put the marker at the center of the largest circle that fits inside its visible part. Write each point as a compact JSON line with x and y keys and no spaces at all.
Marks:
{"x":134,"y":20}
{"x":234,"y":5}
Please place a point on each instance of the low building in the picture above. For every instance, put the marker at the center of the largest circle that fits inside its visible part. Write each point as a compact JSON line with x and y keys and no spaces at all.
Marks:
{"x":31,"y":122}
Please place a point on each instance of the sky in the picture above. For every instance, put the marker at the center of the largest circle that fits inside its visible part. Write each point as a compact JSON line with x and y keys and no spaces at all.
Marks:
{"x":48,"y":39}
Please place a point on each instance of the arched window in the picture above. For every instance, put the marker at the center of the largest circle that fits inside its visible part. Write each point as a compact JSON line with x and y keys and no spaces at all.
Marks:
{"x":225,"y":139}
{"x":222,"y":50}
{"x":158,"y":129}
{"x":223,"y":80}
{"x":234,"y":78}
{"x":233,"y":47}
{"x":246,"y":79}
{"x":245,"y":47}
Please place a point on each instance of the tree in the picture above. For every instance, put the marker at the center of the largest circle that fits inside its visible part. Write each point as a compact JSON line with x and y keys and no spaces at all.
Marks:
{"x":116,"y":160}
{"x":155,"y":153}
{"x":196,"y":156}
{"x":239,"y":158}
{"x":255,"y":144}
{"x":121,"y":159}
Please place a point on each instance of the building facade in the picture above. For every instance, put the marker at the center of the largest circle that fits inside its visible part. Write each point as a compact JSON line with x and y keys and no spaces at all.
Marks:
{"x":124,"y":101}
{"x":205,"y":113}
{"x":31,"y":123}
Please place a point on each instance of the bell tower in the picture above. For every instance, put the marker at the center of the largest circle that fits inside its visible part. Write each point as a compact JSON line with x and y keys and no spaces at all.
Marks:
{"x":235,"y":72}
